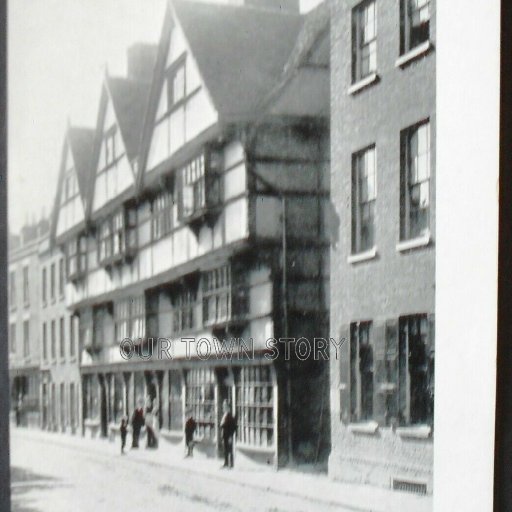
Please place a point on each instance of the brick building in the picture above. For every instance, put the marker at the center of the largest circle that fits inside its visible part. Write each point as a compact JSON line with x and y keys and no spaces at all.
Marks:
{"x":24,"y":301}
{"x":203,"y":215}
{"x":383,"y":264}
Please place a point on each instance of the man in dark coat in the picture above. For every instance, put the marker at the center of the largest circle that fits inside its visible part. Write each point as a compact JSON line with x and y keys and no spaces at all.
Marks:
{"x":123,"y":430}
{"x":228,"y":426}
{"x":137,"y":424}
{"x":190,"y":428}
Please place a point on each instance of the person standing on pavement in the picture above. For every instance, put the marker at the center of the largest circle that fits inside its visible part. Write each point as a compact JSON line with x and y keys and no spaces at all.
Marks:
{"x":123,"y":429}
{"x":190,"y":428}
{"x":151,"y":438}
{"x":137,"y":424}
{"x":228,"y":427}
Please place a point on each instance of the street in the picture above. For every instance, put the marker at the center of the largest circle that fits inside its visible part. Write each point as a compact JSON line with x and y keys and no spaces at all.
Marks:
{"x":53,"y":472}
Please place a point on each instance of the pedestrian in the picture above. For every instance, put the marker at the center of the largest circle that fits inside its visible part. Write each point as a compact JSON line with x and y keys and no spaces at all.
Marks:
{"x":124,"y":430}
{"x":137,"y":424}
{"x":228,"y":427}
{"x":190,"y":428}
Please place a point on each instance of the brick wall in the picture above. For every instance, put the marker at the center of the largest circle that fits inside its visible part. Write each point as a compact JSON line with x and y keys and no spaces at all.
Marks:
{"x":393,"y":283}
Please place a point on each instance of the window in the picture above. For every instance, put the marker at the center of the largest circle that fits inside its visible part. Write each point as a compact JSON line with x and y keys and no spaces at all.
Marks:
{"x":61,"y":277}
{"x":225,"y":295}
{"x":12,"y":337}
{"x":62,"y":406}
{"x":415,"y":181}
{"x":26,"y":296}
{"x":217,"y":295}
{"x":364,"y":40}
{"x":45,"y":341}
{"x":414,"y":23}
{"x":183,"y":310}
{"x":53,"y":340}
{"x":76,"y":254}
{"x":200,"y":400}
{"x":416,"y":369}
{"x":255,"y":406}
{"x":105,"y":241}
{"x":176,"y":86}
{"x":364,"y":193}
{"x":361,"y":371}
{"x":72,"y":406}
{"x":162,"y":215}
{"x":12,"y":288}
{"x":72,"y":324}
{"x":52,"y":281}
{"x":193,"y":177}
{"x":175,"y":401}
{"x":43,"y":285}
{"x":110,"y":146}
{"x":117,"y":236}
{"x":130,"y":319}
{"x":26,"y":338}
{"x":62,"y":338}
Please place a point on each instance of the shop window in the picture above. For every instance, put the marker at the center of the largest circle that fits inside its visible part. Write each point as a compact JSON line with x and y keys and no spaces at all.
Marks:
{"x":255,"y":407}
{"x":200,"y":401}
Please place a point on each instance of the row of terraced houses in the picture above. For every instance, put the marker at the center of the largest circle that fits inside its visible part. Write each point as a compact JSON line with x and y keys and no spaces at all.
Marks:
{"x":259,"y":174}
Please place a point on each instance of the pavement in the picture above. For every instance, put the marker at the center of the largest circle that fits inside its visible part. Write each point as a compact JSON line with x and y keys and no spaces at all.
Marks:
{"x":51,"y":470}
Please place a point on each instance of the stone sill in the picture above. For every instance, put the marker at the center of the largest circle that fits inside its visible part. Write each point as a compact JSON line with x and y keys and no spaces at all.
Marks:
{"x":415,"y":53}
{"x":369,"y":427}
{"x":255,"y":449}
{"x":363,"y":256}
{"x":419,"y":432}
{"x":363,"y":83}
{"x":414,"y":243}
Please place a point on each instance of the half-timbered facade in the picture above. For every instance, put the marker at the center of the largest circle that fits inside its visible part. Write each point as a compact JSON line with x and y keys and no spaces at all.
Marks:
{"x":205,"y":220}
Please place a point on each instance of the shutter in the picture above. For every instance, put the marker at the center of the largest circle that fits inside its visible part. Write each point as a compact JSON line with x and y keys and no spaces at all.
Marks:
{"x":344,"y":382}
{"x":379,"y":373}
{"x":391,"y":384}
{"x":179,"y":183}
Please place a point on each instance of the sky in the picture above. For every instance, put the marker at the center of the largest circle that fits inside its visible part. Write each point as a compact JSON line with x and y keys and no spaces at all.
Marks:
{"x":58,"y":51}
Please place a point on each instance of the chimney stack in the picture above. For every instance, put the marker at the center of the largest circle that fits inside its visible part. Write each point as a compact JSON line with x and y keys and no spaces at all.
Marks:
{"x":141,"y":58}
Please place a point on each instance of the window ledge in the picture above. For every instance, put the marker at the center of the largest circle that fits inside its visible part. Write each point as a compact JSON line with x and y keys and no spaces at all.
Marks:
{"x":361,"y":84}
{"x":419,"y":432}
{"x":414,"y":243}
{"x":369,"y":427}
{"x":416,"y":52}
{"x":363,"y":256}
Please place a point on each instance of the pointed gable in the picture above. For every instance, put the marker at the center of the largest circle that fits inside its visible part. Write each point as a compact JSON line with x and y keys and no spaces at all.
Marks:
{"x":240,"y":52}
{"x":118,"y":134}
{"x":72,"y":190}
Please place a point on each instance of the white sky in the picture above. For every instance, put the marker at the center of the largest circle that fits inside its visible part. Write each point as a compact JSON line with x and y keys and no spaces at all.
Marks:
{"x":57,"y":52}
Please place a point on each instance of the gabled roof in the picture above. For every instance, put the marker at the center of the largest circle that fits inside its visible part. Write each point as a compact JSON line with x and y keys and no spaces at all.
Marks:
{"x":240,"y":52}
{"x":303,"y":89}
{"x":129,"y":100}
{"x":81,"y":142}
